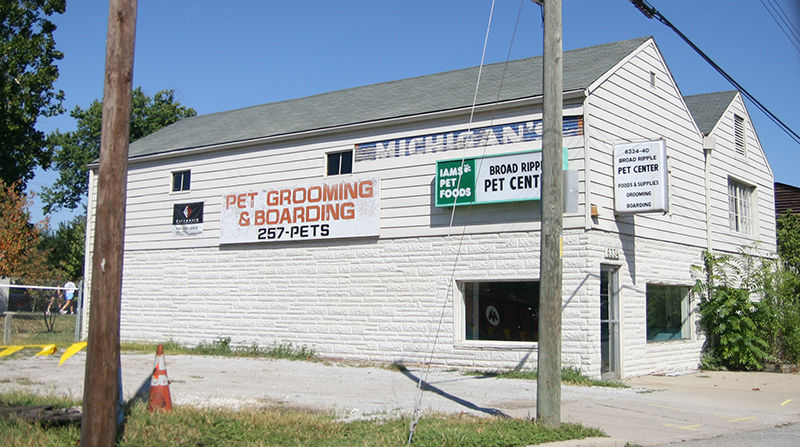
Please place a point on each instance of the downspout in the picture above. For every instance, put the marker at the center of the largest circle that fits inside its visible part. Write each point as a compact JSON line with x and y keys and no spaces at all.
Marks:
{"x":587,"y":194}
{"x":708,"y":147}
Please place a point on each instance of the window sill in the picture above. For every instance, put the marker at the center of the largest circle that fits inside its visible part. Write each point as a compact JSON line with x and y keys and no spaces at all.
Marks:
{"x":492,"y":345}
{"x":674,"y":340}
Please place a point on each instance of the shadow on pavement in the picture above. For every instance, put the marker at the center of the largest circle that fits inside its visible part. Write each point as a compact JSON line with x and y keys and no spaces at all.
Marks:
{"x":428,"y":387}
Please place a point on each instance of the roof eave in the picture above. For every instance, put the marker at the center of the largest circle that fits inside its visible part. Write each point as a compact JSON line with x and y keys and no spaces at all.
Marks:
{"x":571,"y":96}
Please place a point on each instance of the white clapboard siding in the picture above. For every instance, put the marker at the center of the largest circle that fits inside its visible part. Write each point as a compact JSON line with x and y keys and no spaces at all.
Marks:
{"x":751,"y":169}
{"x":624,"y":107}
{"x":406,"y":186}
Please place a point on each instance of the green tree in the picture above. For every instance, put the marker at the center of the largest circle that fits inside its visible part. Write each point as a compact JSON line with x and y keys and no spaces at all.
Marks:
{"x":73,"y":151}
{"x":27,"y":74}
{"x":789,"y":240}
{"x":64,"y":247}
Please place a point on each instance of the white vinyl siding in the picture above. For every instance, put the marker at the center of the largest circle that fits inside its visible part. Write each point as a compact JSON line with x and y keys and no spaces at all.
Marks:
{"x":624,"y":108}
{"x":754,"y":171}
{"x":406,"y":187}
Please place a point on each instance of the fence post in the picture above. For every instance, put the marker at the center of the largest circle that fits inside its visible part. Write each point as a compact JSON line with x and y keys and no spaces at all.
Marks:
{"x":79,"y":311}
{"x":7,"y":327}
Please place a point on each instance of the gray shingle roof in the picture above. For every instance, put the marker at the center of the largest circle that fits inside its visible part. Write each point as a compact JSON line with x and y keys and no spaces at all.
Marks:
{"x":407,"y":97}
{"x":707,"y":109}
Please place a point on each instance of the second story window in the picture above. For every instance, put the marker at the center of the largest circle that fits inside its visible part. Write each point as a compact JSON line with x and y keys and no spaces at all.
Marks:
{"x":340,"y":163}
{"x":181,"y":181}
{"x":740,"y":207}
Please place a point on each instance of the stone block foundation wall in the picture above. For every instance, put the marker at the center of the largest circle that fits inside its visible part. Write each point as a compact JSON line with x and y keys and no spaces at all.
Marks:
{"x":385,"y":300}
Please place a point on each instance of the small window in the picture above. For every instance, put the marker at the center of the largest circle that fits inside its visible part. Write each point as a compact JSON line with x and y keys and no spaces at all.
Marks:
{"x":738,"y":134}
{"x":740,"y":207}
{"x":181,"y":181}
{"x":653,"y":79}
{"x":340,"y":163}
{"x":667,"y":312}
{"x":501,"y":311}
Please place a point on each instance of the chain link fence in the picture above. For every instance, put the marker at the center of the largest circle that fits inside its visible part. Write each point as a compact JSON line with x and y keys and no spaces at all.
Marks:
{"x":35,"y":314}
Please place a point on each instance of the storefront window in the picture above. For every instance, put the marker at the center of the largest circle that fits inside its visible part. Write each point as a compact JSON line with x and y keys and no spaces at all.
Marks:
{"x":504,"y":311}
{"x":667,"y":312}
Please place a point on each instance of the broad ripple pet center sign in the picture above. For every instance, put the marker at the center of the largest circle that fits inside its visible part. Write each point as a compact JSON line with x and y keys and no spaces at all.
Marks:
{"x":291,"y":213}
{"x":640,"y":177}
{"x":491,"y":179}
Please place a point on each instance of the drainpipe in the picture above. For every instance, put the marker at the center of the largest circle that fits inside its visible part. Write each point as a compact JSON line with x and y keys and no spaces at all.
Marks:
{"x":709,"y":143}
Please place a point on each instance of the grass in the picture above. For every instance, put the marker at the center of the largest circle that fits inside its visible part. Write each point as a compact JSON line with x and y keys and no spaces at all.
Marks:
{"x":569,"y":376}
{"x":30,"y":329}
{"x":223,"y":347}
{"x":189,"y":426}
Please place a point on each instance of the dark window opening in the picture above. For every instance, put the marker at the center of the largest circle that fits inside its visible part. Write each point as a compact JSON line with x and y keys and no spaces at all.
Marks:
{"x":181,"y":181}
{"x":667,"y":312}
{"x":504,"y":311}
{"x":340,"y":163}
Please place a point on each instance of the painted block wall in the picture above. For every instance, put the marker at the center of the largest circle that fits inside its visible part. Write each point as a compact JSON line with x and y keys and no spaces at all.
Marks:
{"x":382,"y":300}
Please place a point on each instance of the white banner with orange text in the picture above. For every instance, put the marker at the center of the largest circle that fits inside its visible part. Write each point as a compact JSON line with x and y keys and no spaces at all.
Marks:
{"x":317,"y":211}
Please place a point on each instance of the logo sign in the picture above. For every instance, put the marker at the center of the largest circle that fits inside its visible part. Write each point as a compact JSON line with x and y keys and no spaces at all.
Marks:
{"x":493,"y":179}
{"x":305,"y":212}
{"x":187,"y":219}
{"x":640,"y":177}
{"x":492,"y":315}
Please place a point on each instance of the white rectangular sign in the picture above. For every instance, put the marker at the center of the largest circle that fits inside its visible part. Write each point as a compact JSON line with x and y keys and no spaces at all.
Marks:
{"x":317,"y":211}
{"x":509,"y":178}
{"x":640,"y":177}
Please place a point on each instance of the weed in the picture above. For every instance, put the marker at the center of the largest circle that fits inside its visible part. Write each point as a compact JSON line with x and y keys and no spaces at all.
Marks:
{"x":189,"y":426}
{"x":569,"y":376}
{"x":223,"y":347}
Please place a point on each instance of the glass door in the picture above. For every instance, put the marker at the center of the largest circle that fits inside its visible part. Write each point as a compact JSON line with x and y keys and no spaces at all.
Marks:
{"x":609,"y":323}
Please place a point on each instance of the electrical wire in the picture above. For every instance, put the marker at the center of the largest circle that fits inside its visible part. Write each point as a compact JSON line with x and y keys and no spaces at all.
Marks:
{"x":783,"y":22}
{"x":429,"y":357}
{"x":650,"y":12}
{"x":430,"y":352}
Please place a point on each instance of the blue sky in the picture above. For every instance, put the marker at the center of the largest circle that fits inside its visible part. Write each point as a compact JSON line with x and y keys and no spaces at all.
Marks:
{"x":220,"y":56}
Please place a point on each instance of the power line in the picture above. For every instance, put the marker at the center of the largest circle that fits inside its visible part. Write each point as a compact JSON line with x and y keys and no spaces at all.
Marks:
{"x":783,"y":22}
{"x":650,"y":12}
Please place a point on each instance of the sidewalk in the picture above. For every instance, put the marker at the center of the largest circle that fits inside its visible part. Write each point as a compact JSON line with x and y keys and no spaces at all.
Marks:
{"x":654,"y":411}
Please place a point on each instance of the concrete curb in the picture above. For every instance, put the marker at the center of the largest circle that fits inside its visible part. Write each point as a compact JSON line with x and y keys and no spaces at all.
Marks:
{"x":587,"y":442}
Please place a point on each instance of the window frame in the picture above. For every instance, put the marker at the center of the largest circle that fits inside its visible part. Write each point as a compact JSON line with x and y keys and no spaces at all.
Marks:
{"x":185,"y":176}
{"x":686,"y":313}
{"x":340,"y":156}
{"x":462,"y":320}
{"x":741,"y":209}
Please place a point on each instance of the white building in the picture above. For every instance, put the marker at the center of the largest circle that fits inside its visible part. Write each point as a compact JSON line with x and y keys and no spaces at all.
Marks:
{"x":327,"y":221}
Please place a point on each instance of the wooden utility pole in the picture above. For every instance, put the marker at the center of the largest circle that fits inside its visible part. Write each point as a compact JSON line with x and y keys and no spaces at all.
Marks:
{"x":101,"y":386}
{"x":548,"y":385}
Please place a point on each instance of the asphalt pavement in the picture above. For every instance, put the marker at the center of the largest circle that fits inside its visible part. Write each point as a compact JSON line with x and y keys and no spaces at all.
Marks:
{"x":701,"y":407}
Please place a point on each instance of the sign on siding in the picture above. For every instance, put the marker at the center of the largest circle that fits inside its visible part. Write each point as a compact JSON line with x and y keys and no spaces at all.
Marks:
{"x":491,"y":179}
{"x":318,"y":211}
{"x":640,"y":177}
{"x":187,"y":219}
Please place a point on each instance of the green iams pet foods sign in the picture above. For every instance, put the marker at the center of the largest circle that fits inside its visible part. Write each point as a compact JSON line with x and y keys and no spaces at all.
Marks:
{"x":492,"y":179}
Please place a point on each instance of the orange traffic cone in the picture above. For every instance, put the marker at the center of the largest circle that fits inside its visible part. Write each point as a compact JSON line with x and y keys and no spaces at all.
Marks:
{"x":159,"y":384}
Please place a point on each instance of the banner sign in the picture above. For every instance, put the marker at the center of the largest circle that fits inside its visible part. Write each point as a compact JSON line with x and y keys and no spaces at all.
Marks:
{"x":640,"y":177}
{"x":492,"y":179}
{"x":523,"y":132}
{"x":318,"y":211}
{"x":187,"y":219}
